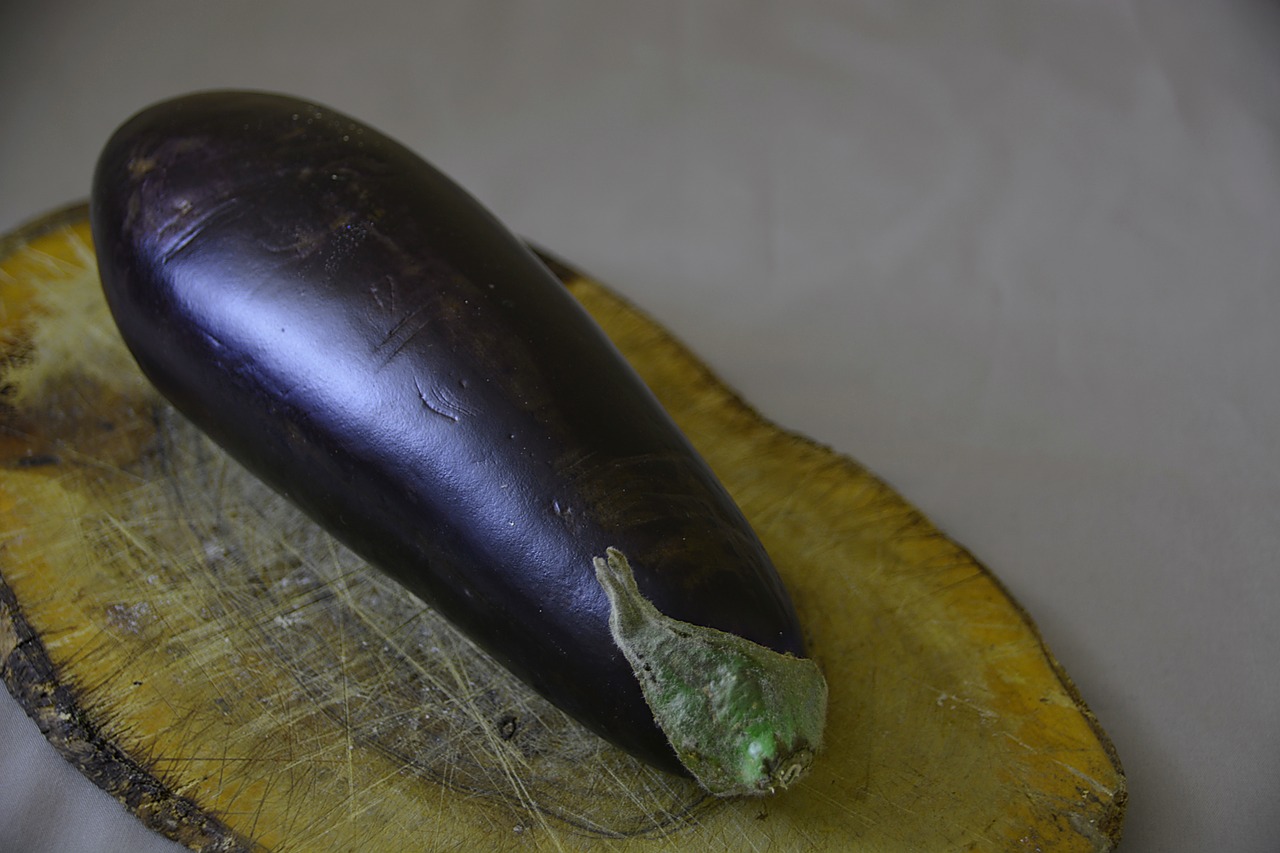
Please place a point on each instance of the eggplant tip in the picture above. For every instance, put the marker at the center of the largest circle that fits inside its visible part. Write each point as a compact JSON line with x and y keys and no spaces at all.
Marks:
{"x":742,"y":718}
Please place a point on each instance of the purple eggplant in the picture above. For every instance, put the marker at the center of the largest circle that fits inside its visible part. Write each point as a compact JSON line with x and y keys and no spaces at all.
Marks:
{"x":365,"y":337}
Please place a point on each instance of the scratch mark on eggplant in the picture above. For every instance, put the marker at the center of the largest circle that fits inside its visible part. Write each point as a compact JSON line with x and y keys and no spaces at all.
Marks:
{"x":186,"y":234}
{"x":396,"y":336}
{"x":422,"y":395}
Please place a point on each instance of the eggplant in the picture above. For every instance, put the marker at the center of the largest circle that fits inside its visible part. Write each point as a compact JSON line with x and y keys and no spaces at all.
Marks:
{"x":365,"y":337}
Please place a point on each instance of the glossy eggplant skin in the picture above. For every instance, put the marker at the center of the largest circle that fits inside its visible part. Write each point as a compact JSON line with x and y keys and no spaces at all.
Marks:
{"x":365,"y":337}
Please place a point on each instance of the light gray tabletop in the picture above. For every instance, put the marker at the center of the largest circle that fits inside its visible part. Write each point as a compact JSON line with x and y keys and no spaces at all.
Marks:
{"x":1019,"y":257}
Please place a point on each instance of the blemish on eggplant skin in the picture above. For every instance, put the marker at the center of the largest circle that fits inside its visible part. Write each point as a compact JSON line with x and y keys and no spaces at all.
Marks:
{"x":564,"y":511}
{"x":139,"y":166}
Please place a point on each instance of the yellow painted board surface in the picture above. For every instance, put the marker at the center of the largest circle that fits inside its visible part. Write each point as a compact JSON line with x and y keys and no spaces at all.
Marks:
{"x":210,"y":657}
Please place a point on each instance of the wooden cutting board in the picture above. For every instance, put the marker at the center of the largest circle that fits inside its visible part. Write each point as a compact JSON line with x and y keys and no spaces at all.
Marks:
{"x":239,"y":680}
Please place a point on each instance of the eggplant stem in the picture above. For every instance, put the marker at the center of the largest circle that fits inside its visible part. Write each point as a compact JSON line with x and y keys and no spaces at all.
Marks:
{"x":742,"y":718}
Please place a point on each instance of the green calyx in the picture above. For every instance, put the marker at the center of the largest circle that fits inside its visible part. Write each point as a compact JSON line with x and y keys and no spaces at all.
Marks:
{"x":744,"y":719}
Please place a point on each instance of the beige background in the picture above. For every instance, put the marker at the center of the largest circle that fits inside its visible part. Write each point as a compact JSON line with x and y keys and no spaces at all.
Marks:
{"x":1020,"y":258}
